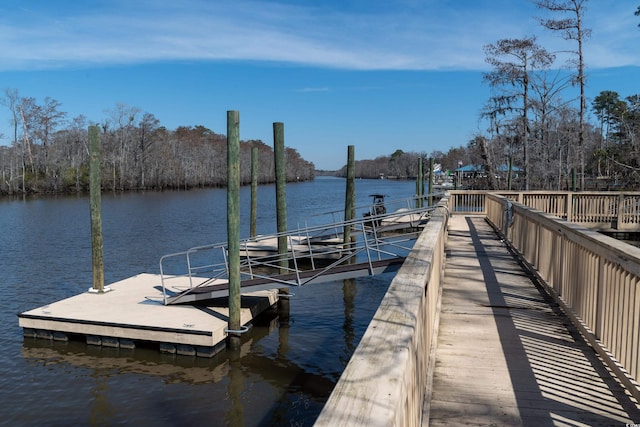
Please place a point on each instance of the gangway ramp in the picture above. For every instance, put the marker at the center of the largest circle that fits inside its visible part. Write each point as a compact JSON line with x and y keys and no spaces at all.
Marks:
{"x":220,"y":289}
{"x":315,"y":254}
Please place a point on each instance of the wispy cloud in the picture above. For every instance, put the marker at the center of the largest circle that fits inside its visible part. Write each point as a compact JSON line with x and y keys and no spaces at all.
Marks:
{"x":313,"y":89}
{"x":390,"y":35}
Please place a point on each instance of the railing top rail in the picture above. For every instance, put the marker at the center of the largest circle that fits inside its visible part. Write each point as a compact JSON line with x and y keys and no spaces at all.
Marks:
{"x":544,"y":192}
{"x":389,"y":203}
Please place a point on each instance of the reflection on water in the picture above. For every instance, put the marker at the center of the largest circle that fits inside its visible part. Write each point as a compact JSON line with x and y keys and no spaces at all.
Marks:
{"x":282,"y":374}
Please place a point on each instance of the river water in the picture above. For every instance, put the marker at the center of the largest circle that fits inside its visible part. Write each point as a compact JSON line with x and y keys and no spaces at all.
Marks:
{"x":281,"y":376}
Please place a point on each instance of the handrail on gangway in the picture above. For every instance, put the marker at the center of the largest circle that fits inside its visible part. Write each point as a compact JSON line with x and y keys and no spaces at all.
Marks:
{"x":315,"y":250}
{"x":336,"y":216}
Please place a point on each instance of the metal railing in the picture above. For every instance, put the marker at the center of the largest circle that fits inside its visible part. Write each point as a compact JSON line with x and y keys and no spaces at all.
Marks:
{"x":319,"y":248}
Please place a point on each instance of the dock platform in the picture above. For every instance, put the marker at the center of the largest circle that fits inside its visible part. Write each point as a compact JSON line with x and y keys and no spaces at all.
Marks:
{"x":132,"y":311}
{"x":507,"y":355}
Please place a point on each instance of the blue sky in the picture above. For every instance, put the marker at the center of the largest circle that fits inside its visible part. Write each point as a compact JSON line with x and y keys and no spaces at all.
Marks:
{"x":377,"y":74}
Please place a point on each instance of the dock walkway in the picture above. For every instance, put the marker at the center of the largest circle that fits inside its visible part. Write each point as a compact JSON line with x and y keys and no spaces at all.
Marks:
{"x":506,"y":354}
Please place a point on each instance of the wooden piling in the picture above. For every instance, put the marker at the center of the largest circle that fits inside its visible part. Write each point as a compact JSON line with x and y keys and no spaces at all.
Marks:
{"x":281,"y":192}
{"x":430,"y":180}
{"x":419,"y":184}
{"x":233,"y":226}
{"x":350,"y":195}
{"x":95,"y":208}
{"x":254,"y":191}
{"x":281,"y":213}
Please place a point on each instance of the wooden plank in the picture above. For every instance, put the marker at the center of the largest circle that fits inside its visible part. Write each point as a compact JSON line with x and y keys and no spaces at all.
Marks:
{"x":505,"y":355}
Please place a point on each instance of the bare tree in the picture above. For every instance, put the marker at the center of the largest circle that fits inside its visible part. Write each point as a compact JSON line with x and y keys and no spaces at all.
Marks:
{"x":148,"y":126}
{"x":122,"y":125}
{"x":514,"y":61}
{"x":546,"y":101}
{"x":571,"y":27}
{"x":69,"y":154}
{"x":48,"y":118}
{"x":28,"y":111}
{"x":10,"y":100}
{"x":480,"y":142}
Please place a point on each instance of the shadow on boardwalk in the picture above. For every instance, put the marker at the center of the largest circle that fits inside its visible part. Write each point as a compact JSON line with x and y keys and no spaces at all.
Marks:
{"x":507,"y":355}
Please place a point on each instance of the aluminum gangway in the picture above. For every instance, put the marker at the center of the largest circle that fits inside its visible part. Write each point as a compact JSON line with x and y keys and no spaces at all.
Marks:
{"x":376,"y":243}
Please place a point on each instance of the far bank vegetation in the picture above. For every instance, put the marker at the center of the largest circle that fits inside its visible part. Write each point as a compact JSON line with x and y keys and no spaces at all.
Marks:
{"x":48,"y":153}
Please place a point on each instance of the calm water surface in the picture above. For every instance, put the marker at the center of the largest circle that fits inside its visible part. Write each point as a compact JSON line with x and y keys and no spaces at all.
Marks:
{"x":284,"y":371}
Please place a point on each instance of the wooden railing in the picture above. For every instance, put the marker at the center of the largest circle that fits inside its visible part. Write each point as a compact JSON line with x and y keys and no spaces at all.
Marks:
{"x":385,"y":380}
{"x":604,"y":211}
{"x":595,"y":278}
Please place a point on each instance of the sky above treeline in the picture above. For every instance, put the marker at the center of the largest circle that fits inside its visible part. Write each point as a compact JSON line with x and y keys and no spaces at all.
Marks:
{"x":380,"y":75}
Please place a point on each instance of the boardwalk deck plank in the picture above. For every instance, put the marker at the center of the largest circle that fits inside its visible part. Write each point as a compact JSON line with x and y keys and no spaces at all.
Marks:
{"x":507,"y":356}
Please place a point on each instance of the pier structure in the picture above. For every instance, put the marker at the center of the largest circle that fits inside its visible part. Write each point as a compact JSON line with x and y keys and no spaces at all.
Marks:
{"x":500,"y":313}
{"x":503,"y":314}
{"x":185,"y":308}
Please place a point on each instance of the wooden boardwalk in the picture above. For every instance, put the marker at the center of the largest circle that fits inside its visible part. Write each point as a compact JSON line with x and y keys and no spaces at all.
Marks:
{"x":507,"y":355}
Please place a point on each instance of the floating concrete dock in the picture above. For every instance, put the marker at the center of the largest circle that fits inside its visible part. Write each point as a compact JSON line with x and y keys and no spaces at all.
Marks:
{"x":132,"y":312}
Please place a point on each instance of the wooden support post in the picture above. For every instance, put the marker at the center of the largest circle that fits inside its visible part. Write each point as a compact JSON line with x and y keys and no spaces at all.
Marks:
{"x":350,"y":195}
{"x":281,"y":213}
{"x":233,"y":226}
{"x":568,"y":206}
{"x":619,"y":222}
{"x":419,"y":184}
{"x":95,"y":207}
{"x":254,"y":191}
{"x":281,"y":193}
{"x":430,"y":180}
{"x":510,"y":174}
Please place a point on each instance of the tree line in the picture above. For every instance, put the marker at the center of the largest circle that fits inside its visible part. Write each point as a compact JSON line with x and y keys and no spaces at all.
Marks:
{"x":536,"y":123}
{"x":611,"y":147}
{"x":49,"y":153}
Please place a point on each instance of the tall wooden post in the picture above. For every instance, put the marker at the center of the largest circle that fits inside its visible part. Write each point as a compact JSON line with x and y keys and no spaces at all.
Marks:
{"x":419,"y":184}
{"x":510,"y":173}
{"x":233,"y":225}
{"x":281,"y":214}
{"x":430,"y":180}
{"x":254,"y":191}
{"x":281,"y":193}
{"x":350,"y":195}
{"x":95,"y":208}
